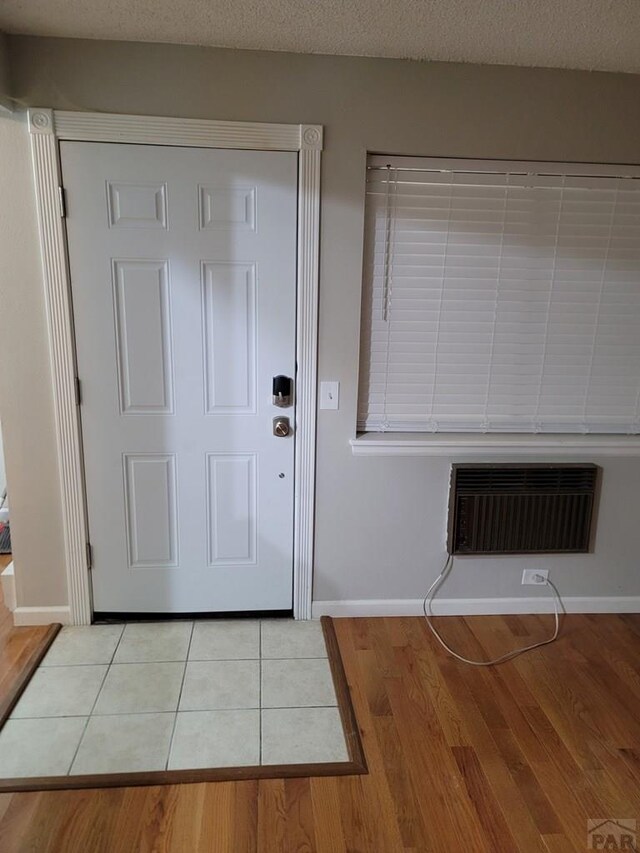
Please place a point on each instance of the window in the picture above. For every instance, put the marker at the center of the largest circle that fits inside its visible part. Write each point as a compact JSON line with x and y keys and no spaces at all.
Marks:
{"x":500,"y":297}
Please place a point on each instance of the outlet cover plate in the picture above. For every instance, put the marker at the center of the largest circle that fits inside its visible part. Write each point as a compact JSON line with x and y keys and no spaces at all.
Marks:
{"x":329,"y":395}
{"x":532,"y":576}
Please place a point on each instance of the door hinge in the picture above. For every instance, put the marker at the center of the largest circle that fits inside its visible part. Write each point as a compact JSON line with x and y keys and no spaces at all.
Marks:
{"x":89,"y":556}
{"x":62,"y":202}
{"x":78,"y":391}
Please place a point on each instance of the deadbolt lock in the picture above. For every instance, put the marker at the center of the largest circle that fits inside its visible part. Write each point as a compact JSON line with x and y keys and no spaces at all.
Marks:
{"x":282,"y":392}
{"x":281,"y":427}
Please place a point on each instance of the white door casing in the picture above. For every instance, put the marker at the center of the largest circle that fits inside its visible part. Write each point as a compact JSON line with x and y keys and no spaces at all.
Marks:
{"x":183,"y":279}
{"x":47,"y":129}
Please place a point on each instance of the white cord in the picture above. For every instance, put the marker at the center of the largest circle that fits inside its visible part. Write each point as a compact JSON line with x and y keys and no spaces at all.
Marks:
{"x":428,"y":615}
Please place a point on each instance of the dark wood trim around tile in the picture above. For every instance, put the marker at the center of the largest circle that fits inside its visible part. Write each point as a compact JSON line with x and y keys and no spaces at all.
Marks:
{"x":354,"y":766}
{"x":345,"y":705}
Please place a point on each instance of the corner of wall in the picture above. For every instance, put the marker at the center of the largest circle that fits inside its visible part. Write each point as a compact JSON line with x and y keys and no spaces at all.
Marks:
{"x":6,"y":101}
{"x":7,"y":577}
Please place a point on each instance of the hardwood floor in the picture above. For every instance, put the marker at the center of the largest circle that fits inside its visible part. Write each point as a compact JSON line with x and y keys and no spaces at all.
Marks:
{"x":513,"y":758}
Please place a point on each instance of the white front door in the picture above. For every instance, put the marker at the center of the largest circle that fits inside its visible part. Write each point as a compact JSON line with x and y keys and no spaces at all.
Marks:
{"x":183,"y":272}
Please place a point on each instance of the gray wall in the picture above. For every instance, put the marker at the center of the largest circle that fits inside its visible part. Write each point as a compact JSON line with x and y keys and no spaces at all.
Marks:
{"x":4,"y":102}
{"x":380,"y":522}
{"x":5,"y":88}
{"x":3,"y":473}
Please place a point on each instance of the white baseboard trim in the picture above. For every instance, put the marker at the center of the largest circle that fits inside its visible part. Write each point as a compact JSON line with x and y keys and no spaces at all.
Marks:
{"x":476,"y":606}
{"x":8,"y":579}
{"x":41,"y":615}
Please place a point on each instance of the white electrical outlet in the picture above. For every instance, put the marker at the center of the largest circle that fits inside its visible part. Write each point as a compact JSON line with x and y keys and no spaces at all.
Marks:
{"x":535,"y":576}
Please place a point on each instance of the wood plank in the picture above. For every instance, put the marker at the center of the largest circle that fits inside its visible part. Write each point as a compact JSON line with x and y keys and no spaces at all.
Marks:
{"x":325,"y":801}
{"x":493,"y":821}
{"x":383,"y":827}
{"x":300,"y":830}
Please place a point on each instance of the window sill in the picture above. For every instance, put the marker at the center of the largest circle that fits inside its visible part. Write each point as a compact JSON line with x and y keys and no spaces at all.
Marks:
{"x":469,"y":444}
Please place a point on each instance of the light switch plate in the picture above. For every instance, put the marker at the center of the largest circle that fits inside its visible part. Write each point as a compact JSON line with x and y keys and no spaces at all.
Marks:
{"x":329,"y":395}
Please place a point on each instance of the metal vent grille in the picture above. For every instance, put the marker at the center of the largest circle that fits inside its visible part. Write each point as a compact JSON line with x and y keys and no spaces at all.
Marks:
{"x":515,"y":509}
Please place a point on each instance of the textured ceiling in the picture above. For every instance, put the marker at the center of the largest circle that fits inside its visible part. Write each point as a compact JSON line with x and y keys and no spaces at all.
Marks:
{"x":589,"y":34}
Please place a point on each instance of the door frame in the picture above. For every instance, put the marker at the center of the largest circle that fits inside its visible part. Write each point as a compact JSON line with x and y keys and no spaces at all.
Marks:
{"x":47,"y":129}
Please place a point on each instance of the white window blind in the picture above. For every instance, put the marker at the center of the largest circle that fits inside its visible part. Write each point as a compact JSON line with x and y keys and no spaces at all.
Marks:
{"x":500,"y":299}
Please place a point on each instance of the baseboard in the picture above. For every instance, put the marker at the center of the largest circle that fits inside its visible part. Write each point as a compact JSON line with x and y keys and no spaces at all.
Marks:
{"x":476,"y":606}
{"x":8,"y":579}
{"x":41,"y":615}
{"x":401,"y":607}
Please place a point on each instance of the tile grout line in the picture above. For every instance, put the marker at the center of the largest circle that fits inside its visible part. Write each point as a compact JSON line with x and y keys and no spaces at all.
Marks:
{"x":175,"y":660}
{"x":184,"y":711}
{"x":189,"y":711}
{"x":44,"y":665}
{"x":95,"y":702}
{"x":89,"y":715}
{"x":113,"y":656}
{"x":184,"y":675}
{"x":179,"y":660}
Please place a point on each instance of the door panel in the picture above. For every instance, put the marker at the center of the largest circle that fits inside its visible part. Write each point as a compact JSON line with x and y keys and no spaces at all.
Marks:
{"x":142,"y":310}
{"x":229,"y":310}
{"x":183,"y":271}
{"x":137,"y":205}
{"x":150,"y":501}
{"x":232,"y":511}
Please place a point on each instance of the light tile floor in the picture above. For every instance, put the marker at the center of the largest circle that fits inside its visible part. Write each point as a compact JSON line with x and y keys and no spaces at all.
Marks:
{"x":176,"y":695}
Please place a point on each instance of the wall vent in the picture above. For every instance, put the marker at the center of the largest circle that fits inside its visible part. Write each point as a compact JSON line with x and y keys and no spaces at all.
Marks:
{"x":521,"y":509}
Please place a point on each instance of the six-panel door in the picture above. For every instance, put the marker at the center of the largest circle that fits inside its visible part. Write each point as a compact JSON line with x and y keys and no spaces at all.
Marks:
{"x":183,"y":271}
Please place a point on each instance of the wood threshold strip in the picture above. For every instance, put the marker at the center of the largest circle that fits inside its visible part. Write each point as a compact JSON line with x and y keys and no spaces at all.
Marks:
{"x":354,"y":766}
{"x":8,"y":702}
